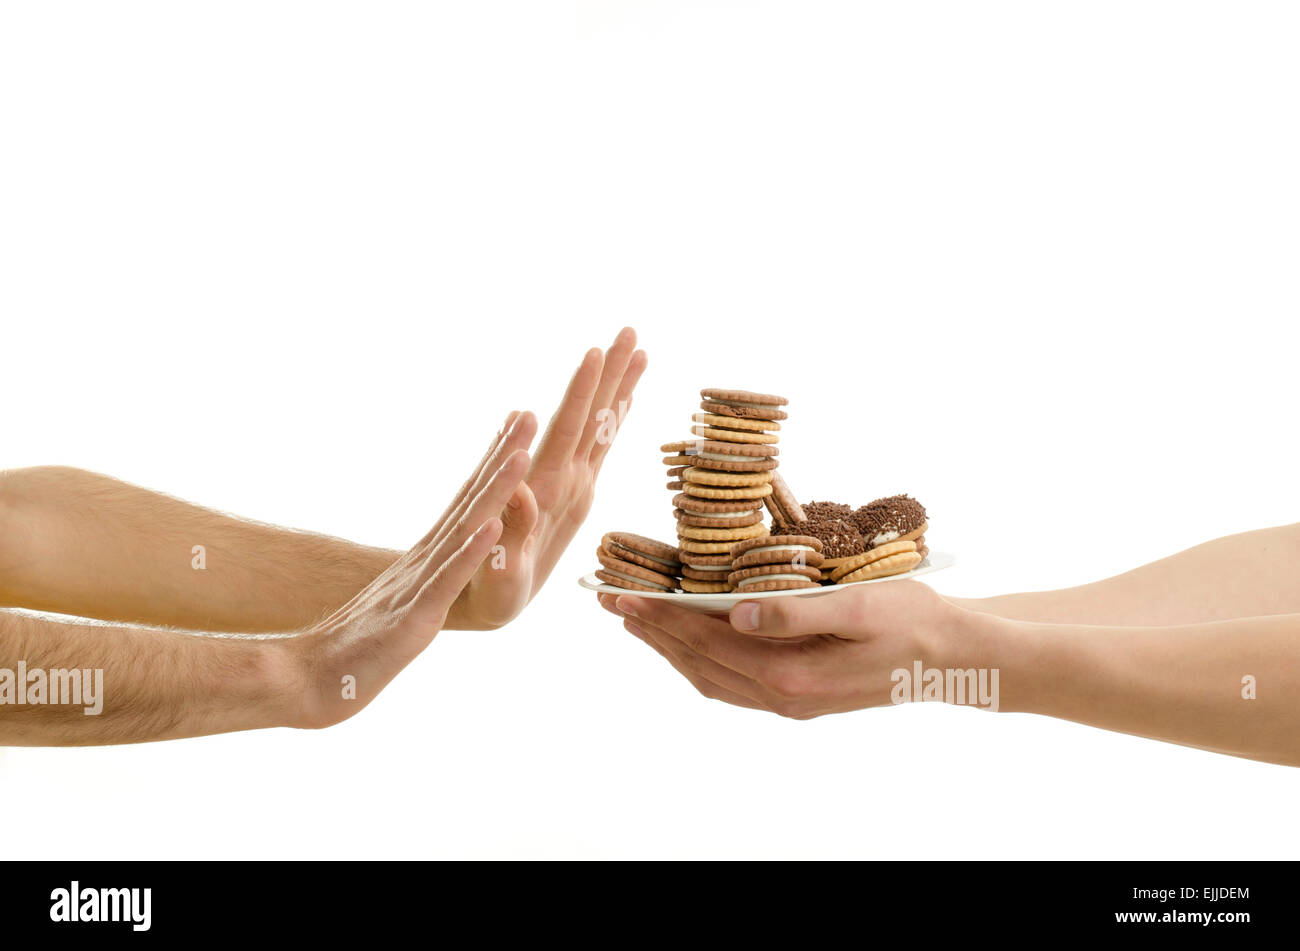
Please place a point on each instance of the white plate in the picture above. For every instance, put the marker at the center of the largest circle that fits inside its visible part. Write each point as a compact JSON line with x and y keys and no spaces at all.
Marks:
{"x":722,"y":603}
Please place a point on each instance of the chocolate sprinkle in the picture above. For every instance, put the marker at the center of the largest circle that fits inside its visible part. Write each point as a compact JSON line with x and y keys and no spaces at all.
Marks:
{"x":831,"y":523}
{"x":844,"y":532}
{"x":891,"y":516}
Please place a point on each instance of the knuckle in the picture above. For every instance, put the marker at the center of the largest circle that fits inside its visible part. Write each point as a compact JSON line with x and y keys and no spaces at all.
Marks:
{"x":778,"y":615}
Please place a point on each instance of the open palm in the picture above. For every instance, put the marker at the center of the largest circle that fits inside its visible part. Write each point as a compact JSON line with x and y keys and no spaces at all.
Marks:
{"x":546,"y":511}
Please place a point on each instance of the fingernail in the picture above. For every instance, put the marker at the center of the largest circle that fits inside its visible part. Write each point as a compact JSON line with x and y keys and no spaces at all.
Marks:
{"x":744,"y":617}
{"x":628,"y":605}
{"x":514,"y":502}
{"x":633,"y":629}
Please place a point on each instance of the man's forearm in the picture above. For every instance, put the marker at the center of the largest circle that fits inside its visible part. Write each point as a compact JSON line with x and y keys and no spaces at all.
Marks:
{"x":1228,"y":686}
{"x":155,"y":684}
{"x":1246,"y":575}
{"x":78,"y":543}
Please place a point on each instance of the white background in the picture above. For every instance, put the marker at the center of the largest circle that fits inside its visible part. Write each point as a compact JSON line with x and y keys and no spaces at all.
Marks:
{"x":1034,"y":263}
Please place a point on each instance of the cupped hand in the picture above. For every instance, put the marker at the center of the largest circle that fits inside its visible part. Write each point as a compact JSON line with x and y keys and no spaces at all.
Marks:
{"x":801,"y":657}
{"x":546,"y":511}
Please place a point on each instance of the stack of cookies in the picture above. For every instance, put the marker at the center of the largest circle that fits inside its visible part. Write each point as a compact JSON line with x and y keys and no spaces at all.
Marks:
{"x":638,"y":563}
{"x":776,"y":563}
{"x":723,"y":478}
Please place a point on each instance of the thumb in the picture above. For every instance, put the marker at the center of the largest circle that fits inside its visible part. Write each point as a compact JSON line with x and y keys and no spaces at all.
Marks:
{"x":828,"y":612}
{"x":519,"y":518}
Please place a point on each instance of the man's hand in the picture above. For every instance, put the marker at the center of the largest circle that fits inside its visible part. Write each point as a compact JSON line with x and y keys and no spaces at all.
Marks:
{"x":347,"y":659}
{"x":799,"y":657}
{"x":548,"y":509}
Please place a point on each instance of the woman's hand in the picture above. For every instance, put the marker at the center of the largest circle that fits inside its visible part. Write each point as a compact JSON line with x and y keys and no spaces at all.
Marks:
{"x":804,"y":657}
{"x":548,"y":509}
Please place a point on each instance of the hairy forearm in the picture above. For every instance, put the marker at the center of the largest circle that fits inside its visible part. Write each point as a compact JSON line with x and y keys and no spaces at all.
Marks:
{"x":1183,"y":684}
{"x":138,"y":684}
{"x":1247,"y":575}
{"x":78,"y":543}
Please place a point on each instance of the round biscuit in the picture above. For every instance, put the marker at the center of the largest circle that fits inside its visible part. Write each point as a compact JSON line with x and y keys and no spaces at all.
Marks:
{"x":698,"y":476}
{"x":858,"y":562}
{"x":883,"y":567}
{"x":691,"y":586}
{"x":714,"y":421}
{"x":727,"y":492}
{"x":728,"y":435}
{"x":721,"y":534}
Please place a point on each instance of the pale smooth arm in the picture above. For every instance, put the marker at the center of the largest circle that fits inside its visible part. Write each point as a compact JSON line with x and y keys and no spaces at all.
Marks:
{"x":1246,"y":575}
{"x":1228,"y":686}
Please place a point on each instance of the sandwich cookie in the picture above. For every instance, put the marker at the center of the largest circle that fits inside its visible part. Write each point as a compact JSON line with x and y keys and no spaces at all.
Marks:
{"x":734,"y":435}
{"x":705,"y":520}
{"x":891,"y":558}
{"x":774,"y":578}
{"x":720,"y":519}
{"x":734,"y":457}
{"x":713,"y":477}
{"x":637,"y":563}
{"x":742,"y":404}
{"x":706,"y":574}
{"x":729,"y":534}
{"x":639,"y":550}
{"x":776,"y":563}
{"x":785,"y":508}
{"x":736,"y":423}
{"x":680,"y":453}
{"x":890,"y":519}
{"x":777,"y":550}
{"x":727,"y":520}
{"x":699,"y":491}
{"x":834,"y":525}
{"x":717,"y":508}
{"x":689,"y":547}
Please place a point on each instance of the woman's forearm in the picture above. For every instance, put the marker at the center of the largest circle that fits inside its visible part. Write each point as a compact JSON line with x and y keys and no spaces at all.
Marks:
{"x":1228,"y":686}
{"x":79,"y":543}
{"x":1247,"y":575}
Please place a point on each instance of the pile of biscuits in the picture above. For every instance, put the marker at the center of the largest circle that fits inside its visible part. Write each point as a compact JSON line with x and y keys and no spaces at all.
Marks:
{"x":776,"y":563}
{"x":638,"y":563}
{"x":722,"y":480}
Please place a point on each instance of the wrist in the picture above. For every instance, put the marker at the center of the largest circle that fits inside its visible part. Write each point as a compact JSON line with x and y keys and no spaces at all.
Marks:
{"x":288,"y":671}
{"x":973,"y":641}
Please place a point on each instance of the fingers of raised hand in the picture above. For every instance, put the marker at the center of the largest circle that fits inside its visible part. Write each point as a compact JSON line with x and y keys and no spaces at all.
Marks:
{"x":487,"y":502}
{"x":606,"y":413}
{"x":619,"y":406}
{"x":520,"y":517}
{"x":516,"y":436}
{"x":570,"y":420}
{"x":449,"y":577}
